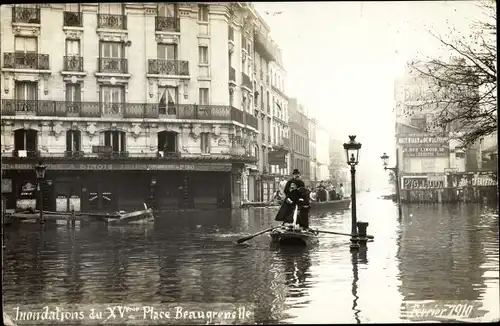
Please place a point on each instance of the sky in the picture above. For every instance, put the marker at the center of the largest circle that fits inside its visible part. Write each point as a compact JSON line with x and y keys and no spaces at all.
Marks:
{"x":342,"y":58}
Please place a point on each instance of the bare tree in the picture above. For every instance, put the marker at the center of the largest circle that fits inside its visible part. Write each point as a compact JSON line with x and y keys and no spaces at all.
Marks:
{"x":460,"y":94}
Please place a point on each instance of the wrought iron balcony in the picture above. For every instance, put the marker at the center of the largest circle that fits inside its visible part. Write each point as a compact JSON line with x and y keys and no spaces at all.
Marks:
{"x":26,"y":60}
{"x":72,"y":19}
{"x":27,"y":15}
{"x":232,"y":74}
{"x":233,"y":154}
{"x":74,"y":154}
{"x":246,"y":81}
{"x":264,"y":47}
{"x":126,"y":110}
{"x":111,"y":21}
{"x":168,"y":67}
{"x":73,"y":63}
{"x":167,"y":24}
{"x":283,"y":143}
{"x":113,"y":65}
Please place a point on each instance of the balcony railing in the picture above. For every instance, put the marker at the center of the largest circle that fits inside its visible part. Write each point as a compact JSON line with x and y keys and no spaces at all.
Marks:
{"x":167,"y":24}
{"x":246,"y":81}
{"x":28,"y":15}
{"x":73,"y":19}
{"x":73,"y":63}
{"x":112,"y":21}
{"x":26,"y":60}
{"x":264,"y":47}
{"x":232,"y":74}
{"x":168,"y":67}
{"x":126,"y":110}
{"x":233,"y":153}
{"x":113,"y":65}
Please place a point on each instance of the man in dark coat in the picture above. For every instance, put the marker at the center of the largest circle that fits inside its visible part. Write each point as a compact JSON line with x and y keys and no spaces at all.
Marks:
{"x":298,"y":199}
{"x":295,"y":179}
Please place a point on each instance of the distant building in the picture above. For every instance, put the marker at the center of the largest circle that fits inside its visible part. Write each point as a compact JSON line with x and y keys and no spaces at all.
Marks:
{"x":299,"y":135}
{"x":433,"y":163}
{"x":312,"y":151}
{"x":322,"y":153}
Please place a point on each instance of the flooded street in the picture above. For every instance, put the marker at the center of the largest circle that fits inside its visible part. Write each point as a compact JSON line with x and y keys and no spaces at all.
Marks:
{"x":436,"y":252}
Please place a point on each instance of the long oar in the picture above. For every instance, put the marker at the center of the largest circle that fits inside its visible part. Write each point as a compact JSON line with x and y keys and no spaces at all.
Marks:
{"x":348,"y":234}
{"x":254,"y":235}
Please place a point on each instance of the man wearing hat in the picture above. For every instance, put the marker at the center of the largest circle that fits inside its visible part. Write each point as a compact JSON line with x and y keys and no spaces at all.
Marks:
{"x":295,"y":179}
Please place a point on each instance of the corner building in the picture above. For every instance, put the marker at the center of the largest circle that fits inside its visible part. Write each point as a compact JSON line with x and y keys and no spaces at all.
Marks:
{"x":127,"y":103}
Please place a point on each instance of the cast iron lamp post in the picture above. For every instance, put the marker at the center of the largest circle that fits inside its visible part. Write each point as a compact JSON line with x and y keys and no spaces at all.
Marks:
{"x":385,"y":159}
{"x":40,"y":176}
{"x":352,"y":154}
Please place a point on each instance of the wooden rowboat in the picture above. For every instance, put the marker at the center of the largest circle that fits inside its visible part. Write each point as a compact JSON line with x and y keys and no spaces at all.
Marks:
{"x":292,"y":236}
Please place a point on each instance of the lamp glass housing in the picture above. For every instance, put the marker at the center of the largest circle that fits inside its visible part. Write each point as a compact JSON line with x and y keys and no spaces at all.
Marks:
{"x":352,"y":151}
{"x":40,"y":171}
{"x":385,"y":159}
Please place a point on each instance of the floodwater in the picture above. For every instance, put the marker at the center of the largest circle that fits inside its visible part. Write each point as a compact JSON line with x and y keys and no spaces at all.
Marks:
{"x":435,"y":252}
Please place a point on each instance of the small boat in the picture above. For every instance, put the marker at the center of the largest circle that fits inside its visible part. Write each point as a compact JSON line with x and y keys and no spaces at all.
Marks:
{"x":293,"y":235}
{"x":136,"y":217}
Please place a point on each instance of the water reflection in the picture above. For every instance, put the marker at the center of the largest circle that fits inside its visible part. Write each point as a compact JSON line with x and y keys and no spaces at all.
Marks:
{"x":437,"y":252}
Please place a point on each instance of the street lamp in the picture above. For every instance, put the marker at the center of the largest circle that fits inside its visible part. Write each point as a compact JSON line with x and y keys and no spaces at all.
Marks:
{"x":385,"y":160}
{"x":40,"y":176}
{"x":352,"y":155}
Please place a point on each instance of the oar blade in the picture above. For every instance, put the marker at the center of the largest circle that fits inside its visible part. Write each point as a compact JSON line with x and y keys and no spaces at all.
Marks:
{"x":253,"y":236}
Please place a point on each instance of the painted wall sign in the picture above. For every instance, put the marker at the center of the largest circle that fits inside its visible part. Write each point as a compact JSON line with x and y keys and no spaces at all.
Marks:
{"x":277,"y":158}
{"x":425,"y":151}
{"x":479,"y":179}
{"x":421,"y":183}
{"x":122,"y":167}
{"x":429,"y":141}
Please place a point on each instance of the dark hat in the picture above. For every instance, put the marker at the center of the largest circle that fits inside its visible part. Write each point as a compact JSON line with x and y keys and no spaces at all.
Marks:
{"x":295,"y":171}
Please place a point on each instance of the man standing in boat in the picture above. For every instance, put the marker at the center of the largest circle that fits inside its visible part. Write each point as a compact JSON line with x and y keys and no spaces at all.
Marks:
{"x":295,"y":179}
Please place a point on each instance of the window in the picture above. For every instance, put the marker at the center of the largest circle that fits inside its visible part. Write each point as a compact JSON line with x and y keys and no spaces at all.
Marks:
{"x":72,"y":7}
{"x":205,"y":142}
{"x":111,"y":8}
{"x":73,"y":48}
{"x":112,"y":98}
{"x":73,"y":141}
{"x":204,"y":99}
{"x":231,"y":98}
{"x":167,"y":10}
{"x":26,"y":91}
{"x":167,"y":142}
{"x":111,"y":50}
{"x":203,"y":54}
{"x":167,"y":51}
{"x":203,"y":13}
{"x":116,"y":139}
{"x":26,"y":44}
{"x":73,"y":98}
{"x":168,"y":98}
{"x":25,"y":140}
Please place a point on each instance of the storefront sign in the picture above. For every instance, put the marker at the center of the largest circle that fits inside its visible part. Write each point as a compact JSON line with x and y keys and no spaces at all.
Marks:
{"x":425,"y":151}
{"x":6,"y":186}
{"x":479,"y":179}
{"x":122,"y":167}
{"x":422,"y":141}
{"x":277,"y":158}
{"x":421,"y":183}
